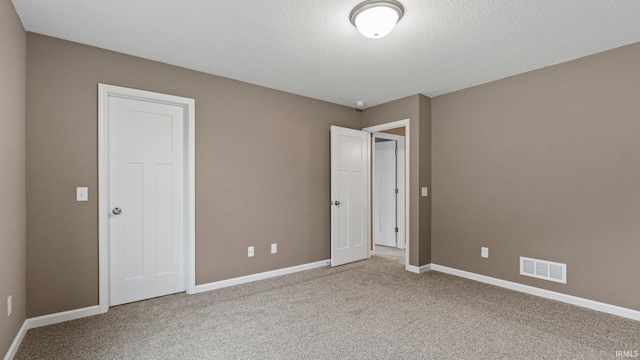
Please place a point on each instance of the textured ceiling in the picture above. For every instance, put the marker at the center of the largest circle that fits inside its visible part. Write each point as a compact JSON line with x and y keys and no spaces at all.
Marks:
{"x":309,"y":47}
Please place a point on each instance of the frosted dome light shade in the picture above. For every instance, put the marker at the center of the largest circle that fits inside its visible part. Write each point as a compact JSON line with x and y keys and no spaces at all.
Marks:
{"x":376,"y":18}
{"x":377,"y":22}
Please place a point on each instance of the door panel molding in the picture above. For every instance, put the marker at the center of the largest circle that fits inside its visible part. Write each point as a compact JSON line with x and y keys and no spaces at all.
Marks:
{"x":188,"y":105}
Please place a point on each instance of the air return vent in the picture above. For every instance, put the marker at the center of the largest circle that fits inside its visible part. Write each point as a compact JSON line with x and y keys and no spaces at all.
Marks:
{"x":542,"y":269}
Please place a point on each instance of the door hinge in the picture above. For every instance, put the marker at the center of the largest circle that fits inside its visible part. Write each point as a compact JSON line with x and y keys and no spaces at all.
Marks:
{"x":396,"y":151}
{"x":396,"y":191}
{"x":396,"y":229}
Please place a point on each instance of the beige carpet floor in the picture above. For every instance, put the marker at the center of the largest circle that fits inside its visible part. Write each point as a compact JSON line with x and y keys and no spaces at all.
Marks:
{"x":391,"y":253}
{"x":371,"y":309}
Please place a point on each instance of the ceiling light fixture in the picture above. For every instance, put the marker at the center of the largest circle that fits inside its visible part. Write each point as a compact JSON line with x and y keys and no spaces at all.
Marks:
{"x":376,"y":18}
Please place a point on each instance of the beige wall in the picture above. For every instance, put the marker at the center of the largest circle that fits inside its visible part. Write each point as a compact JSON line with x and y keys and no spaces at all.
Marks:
{"x":262,"y":170}
{"x":545,"y":165}
{"x":12,"y":172}
{"x":416,"y":108}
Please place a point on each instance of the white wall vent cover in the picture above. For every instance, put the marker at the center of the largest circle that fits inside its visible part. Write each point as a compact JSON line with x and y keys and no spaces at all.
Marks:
{"x":542,"y":269}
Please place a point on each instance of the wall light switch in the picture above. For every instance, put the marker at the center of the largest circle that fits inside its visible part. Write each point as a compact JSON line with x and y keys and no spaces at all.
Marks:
{"x":274,"y":248}
{"x":82,"y":194}
{"x":9,"y":305}
{"x":484,"y":252}
{"x":250,"y":251}
{"x":425,"y":191}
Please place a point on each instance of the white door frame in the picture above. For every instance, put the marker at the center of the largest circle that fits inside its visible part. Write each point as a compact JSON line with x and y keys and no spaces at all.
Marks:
{"x":400,"y":180}
{"x":104,"y":92}
{"x":388,"y":126}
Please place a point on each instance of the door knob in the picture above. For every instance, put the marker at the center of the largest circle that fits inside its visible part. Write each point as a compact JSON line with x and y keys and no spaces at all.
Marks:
{"x":117,"y":211}
{"x":337,"y":202}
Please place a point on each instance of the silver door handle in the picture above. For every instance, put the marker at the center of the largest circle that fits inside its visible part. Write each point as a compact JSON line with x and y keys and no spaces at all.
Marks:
{"x":337,"y":202}
{"x":117,"y":211}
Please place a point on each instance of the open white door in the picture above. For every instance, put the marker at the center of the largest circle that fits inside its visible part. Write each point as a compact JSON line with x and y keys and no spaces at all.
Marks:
{"x":349,"y":195}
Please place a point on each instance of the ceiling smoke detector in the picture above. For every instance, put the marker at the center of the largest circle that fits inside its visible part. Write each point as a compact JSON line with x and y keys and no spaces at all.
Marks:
{"x":360,"y":104}
{"x":376,"y":18}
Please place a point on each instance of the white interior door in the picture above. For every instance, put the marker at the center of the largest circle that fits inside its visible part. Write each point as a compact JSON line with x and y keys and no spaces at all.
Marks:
{"x":385,"y":228}
{"x":349,"y":195}
{"x":146,"y":183}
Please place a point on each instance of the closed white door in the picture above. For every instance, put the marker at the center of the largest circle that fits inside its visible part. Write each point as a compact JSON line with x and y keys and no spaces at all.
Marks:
{"x":146,"y":181}
{"x":385,"y":229}
{"x":349,"y":195}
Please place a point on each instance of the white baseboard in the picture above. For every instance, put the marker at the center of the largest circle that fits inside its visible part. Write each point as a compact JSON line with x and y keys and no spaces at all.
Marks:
{"x":62,"y":317}
{"x":419,"y":270}
{"x":260,"y":276}
{"x":16,"y":342}
{"x":45,"y":320}
{"x":569,"y":299}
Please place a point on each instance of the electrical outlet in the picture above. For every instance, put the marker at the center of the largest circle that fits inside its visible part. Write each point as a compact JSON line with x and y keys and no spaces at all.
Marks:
{"x":250,"y":251}
{"x":9,"y":305}
{"x":274,"y":248}
{"x":484,"y":252}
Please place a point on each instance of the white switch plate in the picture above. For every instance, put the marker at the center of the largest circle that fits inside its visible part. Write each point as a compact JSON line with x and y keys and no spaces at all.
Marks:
{"x":9,"y":305}
{"x":425,"y":191}
{"x":250,"y":251}
{"x":274,"y":248}
{"x":82,"y":194}
{"x":484,"y":252}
